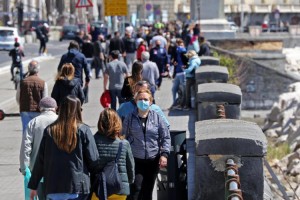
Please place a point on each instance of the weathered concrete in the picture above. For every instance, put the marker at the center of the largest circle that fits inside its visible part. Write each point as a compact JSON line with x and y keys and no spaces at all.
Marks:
{"x":221,"y":139}
{"x":209,"y":60}
{"x":210,"y":95}
{"x":211,"y":73}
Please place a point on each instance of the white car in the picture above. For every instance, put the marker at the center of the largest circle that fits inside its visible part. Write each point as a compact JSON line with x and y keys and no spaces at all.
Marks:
{"x":8,"y":36}
{"x":233,"y":26}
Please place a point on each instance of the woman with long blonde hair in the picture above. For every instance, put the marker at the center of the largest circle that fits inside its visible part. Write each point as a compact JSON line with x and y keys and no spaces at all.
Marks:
{"x":66,"y":84}
{"x":67,"y":155}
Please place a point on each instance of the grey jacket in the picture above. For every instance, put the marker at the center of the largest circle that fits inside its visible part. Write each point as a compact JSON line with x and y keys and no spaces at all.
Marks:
{"x":150,"y":72}
{"x":155,"y":142}
{"x":32,"y":138}
{"x":108,"y":149}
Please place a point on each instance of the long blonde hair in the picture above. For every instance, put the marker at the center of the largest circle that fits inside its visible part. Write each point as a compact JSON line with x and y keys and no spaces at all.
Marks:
{"x":64,"y":129}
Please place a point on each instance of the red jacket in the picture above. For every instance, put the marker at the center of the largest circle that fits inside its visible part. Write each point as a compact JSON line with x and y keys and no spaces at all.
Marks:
{"x":139,"y":52}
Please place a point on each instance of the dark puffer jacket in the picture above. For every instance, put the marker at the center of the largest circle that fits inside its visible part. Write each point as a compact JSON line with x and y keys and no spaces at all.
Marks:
{"x":65,"y":87}
{"x":108,"y":149}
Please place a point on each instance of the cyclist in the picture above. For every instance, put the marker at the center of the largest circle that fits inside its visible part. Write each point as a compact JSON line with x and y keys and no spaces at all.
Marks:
{"x":16,"y":55}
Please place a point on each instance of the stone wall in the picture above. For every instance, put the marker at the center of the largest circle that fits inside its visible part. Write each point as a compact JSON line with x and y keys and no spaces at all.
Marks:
{"x":260,"y":84}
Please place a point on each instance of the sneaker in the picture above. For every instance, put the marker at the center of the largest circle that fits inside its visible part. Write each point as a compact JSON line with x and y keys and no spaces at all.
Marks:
{"x":186,"y":108}
{"x":178,"y":107}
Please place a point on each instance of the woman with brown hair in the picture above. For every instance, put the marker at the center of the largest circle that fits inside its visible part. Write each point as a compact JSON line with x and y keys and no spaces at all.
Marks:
{"x":149,"y":138}
{"x":66,"y":84}
{"x":67,"y":155}
{"x":107,"y":140}
{"x":129,"y":82}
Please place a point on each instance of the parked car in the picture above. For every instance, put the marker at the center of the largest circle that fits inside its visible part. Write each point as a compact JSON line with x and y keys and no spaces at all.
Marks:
{"x":8,"y":36}
{"x":233,"y":26}
{"x":69,"y":32}
{"x":275,"y":27}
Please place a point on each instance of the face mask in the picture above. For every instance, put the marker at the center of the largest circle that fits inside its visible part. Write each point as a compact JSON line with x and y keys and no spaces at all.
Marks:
{"x":143,"y":105}
{"x":157,"y":45}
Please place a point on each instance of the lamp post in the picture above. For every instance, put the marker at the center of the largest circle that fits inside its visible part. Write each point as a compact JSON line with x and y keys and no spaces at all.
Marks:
{"x":242,"y":16}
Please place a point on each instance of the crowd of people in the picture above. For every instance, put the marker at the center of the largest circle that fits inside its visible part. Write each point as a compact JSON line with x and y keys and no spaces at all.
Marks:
{"x":59,"y":149}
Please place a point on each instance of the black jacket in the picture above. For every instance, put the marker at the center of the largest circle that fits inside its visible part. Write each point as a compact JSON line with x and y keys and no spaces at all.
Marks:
{"x":63,"y":88}
{"x":79,"y":62}
{"x":66,"y":172}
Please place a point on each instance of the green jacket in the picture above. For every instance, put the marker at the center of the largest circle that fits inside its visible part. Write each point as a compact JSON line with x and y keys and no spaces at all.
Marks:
{"x":108,"y":149}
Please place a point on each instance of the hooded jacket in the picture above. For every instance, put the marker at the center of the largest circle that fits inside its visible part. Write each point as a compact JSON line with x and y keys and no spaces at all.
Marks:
{"x":65,"y":87}
{"x":194,"y":63}
{"x":79,"y":61}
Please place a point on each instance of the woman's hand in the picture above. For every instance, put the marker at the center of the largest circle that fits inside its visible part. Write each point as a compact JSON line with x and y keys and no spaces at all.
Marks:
{"x":163,"y":162}
{"x":33,"y":193}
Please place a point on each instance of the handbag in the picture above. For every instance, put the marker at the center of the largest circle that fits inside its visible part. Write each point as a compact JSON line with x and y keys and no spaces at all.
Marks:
{"x":109,"y":181}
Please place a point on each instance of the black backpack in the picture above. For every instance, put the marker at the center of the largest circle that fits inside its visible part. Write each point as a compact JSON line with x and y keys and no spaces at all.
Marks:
{"x":109,"y":181}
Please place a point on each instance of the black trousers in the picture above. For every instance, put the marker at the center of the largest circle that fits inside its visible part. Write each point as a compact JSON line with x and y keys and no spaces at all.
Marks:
{"x":145,"y":175}
{"x":42,"y":46}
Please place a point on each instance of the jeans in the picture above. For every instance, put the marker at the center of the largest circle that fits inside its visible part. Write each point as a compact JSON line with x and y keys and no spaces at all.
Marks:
{"x":89,"y":64}
{"x":26,"y":117}
{"x":114,"y":94}
{"x":189,"y":88}
{"x":130,"y":57}
{"x":178,"y":80}
{"x":66,"y":196}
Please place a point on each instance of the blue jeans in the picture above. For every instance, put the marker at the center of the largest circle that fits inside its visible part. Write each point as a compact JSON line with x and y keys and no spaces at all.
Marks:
{"x":26,"y":117}
{"x":66,"y":196}
{"x":113,"y":95}
{"x":178,"y":80}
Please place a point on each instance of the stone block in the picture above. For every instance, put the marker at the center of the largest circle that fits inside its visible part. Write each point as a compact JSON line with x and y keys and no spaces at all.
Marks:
{"x":229,"y":137}
{"x":211,"y":73}
{"x":210,"y":182}
{"x":209,"y":60}
{"x":210,"y":95}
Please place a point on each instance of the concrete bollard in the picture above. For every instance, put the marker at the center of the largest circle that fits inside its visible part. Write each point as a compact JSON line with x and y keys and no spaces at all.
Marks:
{"x":221,"y":140}
{"x":218,"y":100}
{"x":209,"y":60}
{"x":211,"y":73}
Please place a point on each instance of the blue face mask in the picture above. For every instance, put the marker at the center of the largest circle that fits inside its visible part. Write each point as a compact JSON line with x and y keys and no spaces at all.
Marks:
{"x":143,"y":105}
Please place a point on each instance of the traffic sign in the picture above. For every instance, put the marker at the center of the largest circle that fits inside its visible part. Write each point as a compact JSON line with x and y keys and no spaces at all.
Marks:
{"x":84,"y":3}
{"x":115,"y":7}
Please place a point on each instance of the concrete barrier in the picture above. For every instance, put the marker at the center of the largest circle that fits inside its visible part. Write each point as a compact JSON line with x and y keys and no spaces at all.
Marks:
{"x":211,"y":73}
{"x":222,"y":139}
{"x":211,"y":97}
{"x":209,"y":60}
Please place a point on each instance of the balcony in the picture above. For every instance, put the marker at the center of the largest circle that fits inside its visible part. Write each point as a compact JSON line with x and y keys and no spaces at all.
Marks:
{"x":261,"y":8}
{"x":184,"y":8}
{"x":285,"y":8}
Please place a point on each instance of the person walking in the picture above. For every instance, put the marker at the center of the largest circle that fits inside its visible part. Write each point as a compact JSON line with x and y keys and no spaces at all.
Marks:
{"x":117,"y":44}
{"x":108,"y":139}
{"x":130,"y":48}
{"x":115,"y":73}
{"x":150,"y":143}
{"x":32,"y":138}
{"x":179,"y":75}
{"x":129,"y":82}
{"x":67,"y":154}
{"x":141,"y":48}
{"x":190,"y":74}
{"x":159,"y":55}
{"x":42,"y":34}
{"x":66,"y":84}
{"x":88,"y":51}
{"x":150,"y":71}
{"x":130,"y":106}
{"x":30,"y":91}
{"x":99,"y":56}
{"x":78,"y":60}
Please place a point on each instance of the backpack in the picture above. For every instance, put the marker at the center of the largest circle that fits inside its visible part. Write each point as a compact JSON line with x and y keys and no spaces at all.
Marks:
{"x":109,"y":181}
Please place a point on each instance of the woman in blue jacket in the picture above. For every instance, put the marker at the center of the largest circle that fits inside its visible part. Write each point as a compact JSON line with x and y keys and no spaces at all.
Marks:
{"x":149,"y":138}
{"x":190,"y":75}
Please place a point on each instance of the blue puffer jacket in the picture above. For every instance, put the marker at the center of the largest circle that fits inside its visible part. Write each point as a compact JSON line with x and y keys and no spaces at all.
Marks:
{"x":194,"y":63}
{"x":155,"y":142}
